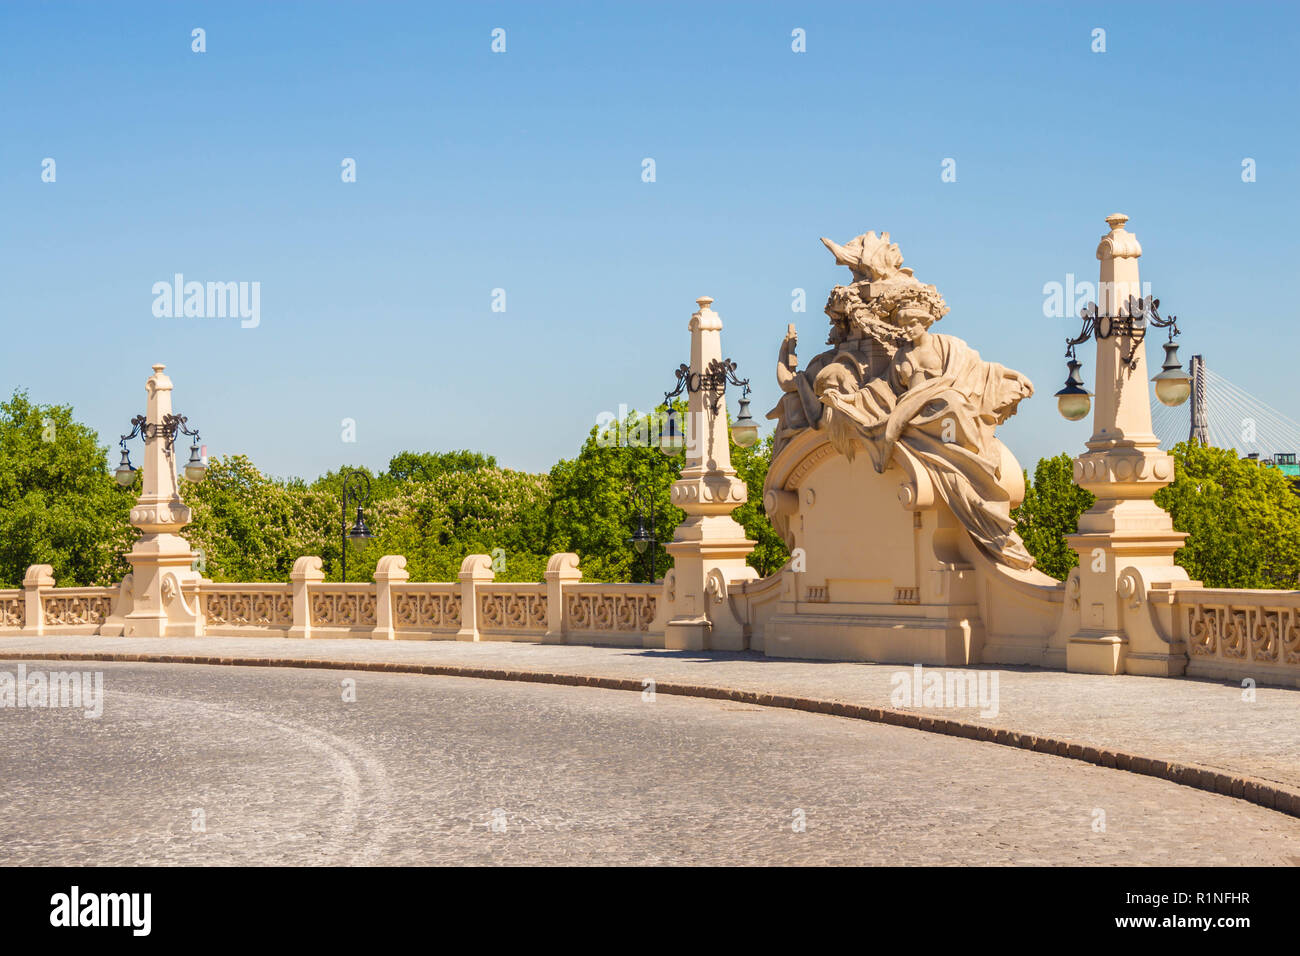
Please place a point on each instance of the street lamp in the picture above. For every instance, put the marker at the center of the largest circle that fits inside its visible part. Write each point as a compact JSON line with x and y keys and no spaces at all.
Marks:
{"x":643,"y":541}
{"x":713,"y":382}
{"x":1173,"y":385}
{"x":171,"y":425}
{"x":358,"y":534}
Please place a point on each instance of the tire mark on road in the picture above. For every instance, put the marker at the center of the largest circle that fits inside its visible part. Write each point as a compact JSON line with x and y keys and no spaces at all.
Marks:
{"x":363,"y":782}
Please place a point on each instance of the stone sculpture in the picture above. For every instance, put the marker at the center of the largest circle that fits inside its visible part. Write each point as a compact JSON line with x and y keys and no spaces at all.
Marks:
{"x":887,"y":383}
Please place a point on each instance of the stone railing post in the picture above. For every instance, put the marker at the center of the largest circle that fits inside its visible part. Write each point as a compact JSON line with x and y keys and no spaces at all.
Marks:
{"x":306,"y":570}
{"x":39,"y":578}
{"x":390,"y":570}
{"x":474,"y":570}
{"x":561,"y":571}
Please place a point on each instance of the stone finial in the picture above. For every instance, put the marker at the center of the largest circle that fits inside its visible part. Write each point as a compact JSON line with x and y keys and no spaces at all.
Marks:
{"x":307,"y":568}
{"x":39,"y":576}
{"x":392,"y":567}
{"x":564,"y":563}
{"x":1119,"y":243}
{"x":704,"y":302}
{"x":477,"y":567}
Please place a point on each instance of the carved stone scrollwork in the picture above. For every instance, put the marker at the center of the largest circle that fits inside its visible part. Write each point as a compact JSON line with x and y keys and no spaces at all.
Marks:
{"x":13,"y":612}
{"x":1266,"y":635}
{"x":342,"y":609}
{"x":422,"y":610}
{"x":1290,"y":628}
{"x":1235,"y":637}
{"x":1203,"y":629}
{"x":1130,"y":588}
{"x":77,"y":609}
{"x":248,"y":608}
{"x":609,"y":610}
{"x":1264,"y":641}
{"x":512,"y":610}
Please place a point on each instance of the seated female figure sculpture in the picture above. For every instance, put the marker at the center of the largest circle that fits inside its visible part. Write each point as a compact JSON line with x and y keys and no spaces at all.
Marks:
{"x":889,"y":381}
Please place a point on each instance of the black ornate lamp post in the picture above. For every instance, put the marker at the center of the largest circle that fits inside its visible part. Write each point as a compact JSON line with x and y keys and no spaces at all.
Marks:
{"x":643,"y":541}
{"x":1173,"y":385}
{"x":713,"y":383}
{"x":168,"y":429}
{"x":358,"y":534}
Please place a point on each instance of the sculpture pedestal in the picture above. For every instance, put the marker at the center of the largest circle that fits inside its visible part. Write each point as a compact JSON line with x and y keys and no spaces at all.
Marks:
{"x":161,"y":573}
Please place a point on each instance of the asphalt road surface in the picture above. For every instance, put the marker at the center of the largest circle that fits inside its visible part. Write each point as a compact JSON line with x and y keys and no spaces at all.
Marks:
{"x":204,"y":765}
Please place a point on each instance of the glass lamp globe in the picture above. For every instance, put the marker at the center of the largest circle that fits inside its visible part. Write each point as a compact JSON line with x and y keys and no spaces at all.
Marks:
{"x":744,"y":431}
{"x":1074,"y":407}
{"x":360,"y":534}
{"x":1173,"y":385}
{"x":125,"y":474}
{"x":671,"y":441}
{"x":195,"y":469}
{"x":1073,"y":401}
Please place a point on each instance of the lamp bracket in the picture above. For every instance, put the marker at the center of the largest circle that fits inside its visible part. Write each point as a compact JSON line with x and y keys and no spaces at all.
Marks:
{"x":1135,"y":316}
{"x":168,"y":428}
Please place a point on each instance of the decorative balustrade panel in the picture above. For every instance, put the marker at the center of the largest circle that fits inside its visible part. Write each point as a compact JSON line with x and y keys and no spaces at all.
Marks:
{"x":426,"y":607}
{"x":610,"y":608}
{"x":73,"y":607}
{"x":337,"y":605}
{"x":13,"y":609}
{"x":1256,"y":628}
{"x":243,"y":605}
{"x":514,"y":607}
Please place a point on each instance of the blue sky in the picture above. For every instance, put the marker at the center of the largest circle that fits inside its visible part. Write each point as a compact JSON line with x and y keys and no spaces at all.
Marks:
{"x":522,"y":171}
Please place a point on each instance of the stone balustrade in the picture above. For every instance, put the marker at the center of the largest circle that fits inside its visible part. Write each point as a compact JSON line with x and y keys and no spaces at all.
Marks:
{"x":247,"y":609}
{"x":1240,"y":633}
{"x":560,"y":609}
{"x":611,"y":613}
{"x":1228,"y":633}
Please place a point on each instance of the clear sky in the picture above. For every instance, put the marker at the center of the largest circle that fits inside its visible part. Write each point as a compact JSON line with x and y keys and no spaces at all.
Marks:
{"x":522,"y":171}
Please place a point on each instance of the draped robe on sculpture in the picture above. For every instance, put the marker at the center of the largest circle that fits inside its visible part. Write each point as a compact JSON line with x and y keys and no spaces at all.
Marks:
{"x":943,"y":412}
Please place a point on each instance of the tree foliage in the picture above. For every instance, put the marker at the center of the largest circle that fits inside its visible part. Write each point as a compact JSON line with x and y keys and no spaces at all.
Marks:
{"x":1050,"y":511}
{"x":592,"y":513}
{"x":1242,"y":520}
{"x":249,"y":527}
{"x":58,"y":503}
{"x":770,"y":552}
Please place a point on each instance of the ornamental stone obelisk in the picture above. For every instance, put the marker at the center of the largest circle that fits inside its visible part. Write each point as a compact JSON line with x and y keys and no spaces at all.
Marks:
{"x":709,"y":548}
{"x":1125,"y":541}
{"x":161,"y":561}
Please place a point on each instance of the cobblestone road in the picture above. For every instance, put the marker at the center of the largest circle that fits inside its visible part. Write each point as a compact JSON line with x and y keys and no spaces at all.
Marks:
{"x":1194,"y":721}
{"x":418,"y":769}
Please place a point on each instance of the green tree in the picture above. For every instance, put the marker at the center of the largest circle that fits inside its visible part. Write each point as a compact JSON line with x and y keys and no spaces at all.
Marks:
{"x":436,"y":524}
{"x":770,"y":552}
{"x":593,"y":514}
{"x":591,"y":508}
{"x":249,"y":527}
{"x":1050,"y":511}
{"x":58,"y":503}
{"x":1242,"y":520}
{"x":426,"y":465}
